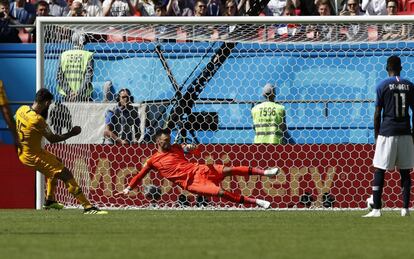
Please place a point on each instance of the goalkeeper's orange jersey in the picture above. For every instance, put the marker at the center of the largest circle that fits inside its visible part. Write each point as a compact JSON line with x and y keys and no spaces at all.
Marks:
{"x":3,"y":98}
{"x":31,"y":127}
{"x":172,"y":165}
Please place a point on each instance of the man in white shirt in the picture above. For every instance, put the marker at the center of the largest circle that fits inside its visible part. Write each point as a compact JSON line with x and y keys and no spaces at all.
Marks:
{"x":92,"y":7}
{"x":374,"y":7}
{"x":118,"y":8}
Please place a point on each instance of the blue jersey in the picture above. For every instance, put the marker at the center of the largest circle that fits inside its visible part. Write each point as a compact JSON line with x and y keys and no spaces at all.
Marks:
{"x":395,"y":95}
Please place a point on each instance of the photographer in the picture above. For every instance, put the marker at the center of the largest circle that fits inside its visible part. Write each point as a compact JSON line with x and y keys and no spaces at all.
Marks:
{"x":123,"y":122}
{"x":7,"y":33}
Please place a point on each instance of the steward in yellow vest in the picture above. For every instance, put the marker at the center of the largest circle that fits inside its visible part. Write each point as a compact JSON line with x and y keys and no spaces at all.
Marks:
{"x":75,"y":73}
{"x":269,"y":119}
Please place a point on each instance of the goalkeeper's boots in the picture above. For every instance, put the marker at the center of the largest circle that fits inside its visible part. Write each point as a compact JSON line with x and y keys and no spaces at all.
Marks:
{"x":94,"y":210}
{"x":271,"y":171}
{"x":375,"y":213}
{"x":50,"y":204}
{"x":405,"y":212}
{"x":262,"y":203}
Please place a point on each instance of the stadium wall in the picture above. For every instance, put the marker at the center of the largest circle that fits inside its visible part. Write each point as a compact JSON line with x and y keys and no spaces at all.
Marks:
{"x":17,"y":181}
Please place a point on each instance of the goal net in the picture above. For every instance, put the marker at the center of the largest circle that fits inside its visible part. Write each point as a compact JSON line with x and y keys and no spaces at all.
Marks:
{"x":201,"y":78}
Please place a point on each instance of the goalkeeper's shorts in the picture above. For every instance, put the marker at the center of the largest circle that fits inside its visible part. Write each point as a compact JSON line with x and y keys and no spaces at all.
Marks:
{"x":206,"y":180}
{"x":44,"y":162}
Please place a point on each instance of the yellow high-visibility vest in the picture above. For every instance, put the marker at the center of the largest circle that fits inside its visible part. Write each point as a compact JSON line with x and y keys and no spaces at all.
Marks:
{"x":267,"y":120}
{"x":74,"y":65}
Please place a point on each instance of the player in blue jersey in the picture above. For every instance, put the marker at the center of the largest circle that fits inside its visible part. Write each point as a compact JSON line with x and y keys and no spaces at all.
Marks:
{"x":393,"y":134}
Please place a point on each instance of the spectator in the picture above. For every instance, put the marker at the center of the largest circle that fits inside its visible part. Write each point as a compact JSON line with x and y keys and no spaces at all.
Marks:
{"x":307,"y":7}
{"x":351,"y":8}
{"x":122,"y":123}
{"x":353,"y":31}
{"x":24,"y":12}
{"x":330,"y":3}
{"x":160,"y":10}
{"x":180,"y":8}
{"x":76,"y":9}
{"x":200,"y":8}
{"x":276,"y":7}
{"x":324,"y":8}
{"x":162,"y":30}
{"x":7,"y":33}
{"x":58,"y":7}
{"x":269,"y":119}
{"x":42,"y":9}
{"x":118,"y":8}
{"x":215,"y":8}
{"x":164,"y":33}
{"x":93,"y":8}
{"x":296,"y":6}
{"x":322,"y":32}
{"x":244,"y":6}
{"x":374,"y":7}
{"x":288,"y":30}
{"x":230,"y":8}
{"x":146,"y":7}
{"x":75,"y":72}
{"x":393,"y":31}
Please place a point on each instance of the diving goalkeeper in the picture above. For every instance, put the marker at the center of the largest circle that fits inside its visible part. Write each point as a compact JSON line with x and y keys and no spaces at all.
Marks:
{"x":31,"y":127}
{"x":201,"y":179}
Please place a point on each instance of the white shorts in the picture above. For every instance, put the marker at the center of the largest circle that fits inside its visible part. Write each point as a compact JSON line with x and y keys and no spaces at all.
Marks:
{"x":394,"y":151}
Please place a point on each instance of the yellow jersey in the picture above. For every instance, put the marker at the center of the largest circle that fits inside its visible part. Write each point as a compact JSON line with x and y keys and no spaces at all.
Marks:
{"x":31,"y":127}
{"x":3,"y":98}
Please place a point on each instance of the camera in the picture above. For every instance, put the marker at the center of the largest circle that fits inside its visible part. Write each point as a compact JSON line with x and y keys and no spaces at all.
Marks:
{"x":2,"y":15}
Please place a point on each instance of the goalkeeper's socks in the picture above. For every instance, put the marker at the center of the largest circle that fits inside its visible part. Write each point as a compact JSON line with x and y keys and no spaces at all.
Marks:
{"x":246,"y":170}
{"x":237,"y":198}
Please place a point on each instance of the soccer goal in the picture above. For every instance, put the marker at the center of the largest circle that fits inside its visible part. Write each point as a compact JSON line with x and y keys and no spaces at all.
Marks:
{"x":201,"y":77}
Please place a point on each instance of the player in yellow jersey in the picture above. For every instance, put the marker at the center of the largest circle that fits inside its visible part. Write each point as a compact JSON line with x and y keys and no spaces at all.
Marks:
{"x":31,"y":127}
{"x":7,"y":115}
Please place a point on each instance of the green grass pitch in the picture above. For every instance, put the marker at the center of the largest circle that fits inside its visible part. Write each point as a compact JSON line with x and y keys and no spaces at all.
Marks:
{"x":204,"y":234}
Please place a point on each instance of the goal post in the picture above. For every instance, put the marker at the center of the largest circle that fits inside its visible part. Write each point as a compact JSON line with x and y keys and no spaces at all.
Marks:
{"x":200,"y":77}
